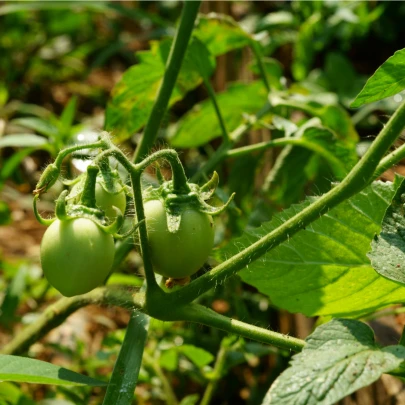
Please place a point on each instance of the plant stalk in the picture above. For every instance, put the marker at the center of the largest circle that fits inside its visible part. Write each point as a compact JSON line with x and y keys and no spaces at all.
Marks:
{"x":173,"y":65}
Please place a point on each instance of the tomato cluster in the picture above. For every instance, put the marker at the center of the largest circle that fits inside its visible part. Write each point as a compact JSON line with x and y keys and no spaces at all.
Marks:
{"x":77,"y":250}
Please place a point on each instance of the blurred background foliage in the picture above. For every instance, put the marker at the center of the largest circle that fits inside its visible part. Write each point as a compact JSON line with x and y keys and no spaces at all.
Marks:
{"x":63,"y":69}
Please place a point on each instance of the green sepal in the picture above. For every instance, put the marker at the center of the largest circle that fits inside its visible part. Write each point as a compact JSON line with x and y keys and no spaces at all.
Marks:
{"x":41,"y":219}
{"x":208,"y":189}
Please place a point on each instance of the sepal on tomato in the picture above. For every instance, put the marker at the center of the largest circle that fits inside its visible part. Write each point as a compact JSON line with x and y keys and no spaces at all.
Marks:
{"x":174,"y":203}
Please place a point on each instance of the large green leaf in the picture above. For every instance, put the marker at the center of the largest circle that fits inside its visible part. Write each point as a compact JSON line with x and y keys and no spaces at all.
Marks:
{"x":388,"y":80}
{"x":339,"y":358}
{"x":220,"y":33}
{"x":388,"y":248}
{"x":200,"y":125}
{"x":324,"y":269}
{"x":134,"y":95}
{"x":22,"y":369}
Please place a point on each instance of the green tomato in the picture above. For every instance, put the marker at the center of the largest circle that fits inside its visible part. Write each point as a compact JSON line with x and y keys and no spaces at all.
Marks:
{"x":180,"y":254}
{"x":106,"y":201}
{"x":76,"y":255}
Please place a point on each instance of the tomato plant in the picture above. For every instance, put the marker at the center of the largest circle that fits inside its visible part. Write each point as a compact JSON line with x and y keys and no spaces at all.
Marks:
{"x":178,"y":254}
{"x":76,"y":255}
{"x":313,"y":230}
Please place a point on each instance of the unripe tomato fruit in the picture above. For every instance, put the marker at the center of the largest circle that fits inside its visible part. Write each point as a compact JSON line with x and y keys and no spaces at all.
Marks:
{"x":180,"y":254}
{"x":106,"y":201}
{"x":76,"y":255}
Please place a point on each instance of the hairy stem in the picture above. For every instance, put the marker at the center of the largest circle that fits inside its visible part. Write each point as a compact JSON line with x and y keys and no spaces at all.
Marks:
{"x":390,"y":160}
{"x":200,"y":314}
{"x":56,"y":313}
{"x":173,"y":65}
{"x":358,"y":178}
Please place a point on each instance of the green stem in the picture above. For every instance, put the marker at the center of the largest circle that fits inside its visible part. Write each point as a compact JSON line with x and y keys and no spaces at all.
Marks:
{"x":180,"y":184}
{"x":200,"y":314}
{"x":334,"y":162}
{"x":358,"y":178}
{"x":56,"y":313}
{"x":173,"y":65}
{"x":64,"y":152}
{"x":121,"y":387}
{"x":234,"y":137}
{"x":258,"y":54}
{"x":213,"y":97}
{"x":171,"y":398}
{"x":390,"y":160}
{"x":218,"y":370}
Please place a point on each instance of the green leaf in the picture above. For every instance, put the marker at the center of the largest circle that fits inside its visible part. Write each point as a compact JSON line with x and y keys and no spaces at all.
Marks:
{"x":22,"y":140}
{"x":220,"y":33}
{"x":22,"y":369}
{"x":388,"y":80}
{"x":199,"y":357}
{"x":134,"y":95}
{"x":125,"y":375}
{"x":190,"y":399}
{"x":68,"y":115}
{"x":388,"y":248}
{"x":5,"y":213}
{"x":332,"y":116}
{"x":324,"y":269}
{"x":306,"y":46}
{"x":200,"y":125}
{"x":169,"y":359}
{"x":273,"y":70}
{"x":296,"y":166}
{"x":39,"y":125}
{"x":202,"y":59}
{"x":339,"y":358}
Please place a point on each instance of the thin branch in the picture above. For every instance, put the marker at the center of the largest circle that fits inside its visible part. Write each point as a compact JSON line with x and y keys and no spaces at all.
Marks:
{"x":334,"y":162}
{"x":173,"y":65}
{"x":213,"y":97}
{"x":200,"y":314}
{"x":56,"y":313}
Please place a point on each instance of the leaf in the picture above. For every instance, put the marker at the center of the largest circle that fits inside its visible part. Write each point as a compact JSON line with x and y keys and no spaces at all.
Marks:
{"x":200,"y":125}
{"x":332,"y":116}
{"x":296,"y":166}
{"x":169,"y":359}
{"x":68,"y":115}
{"x":190,"y":399}
{"x":388,"y":80}
{"x":199,"y":357}
{"x":22,"y":369}
{"x":220,"y":33}
{"x":339,"y":358}
{"x":134,"y":95}
{"x":202,"y":59}
{"x":324,"y":269}
{"x":39,"y":125}
{"x":306,"y":46}
{"x":22,"y":140}
{"x":388,"y":248}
